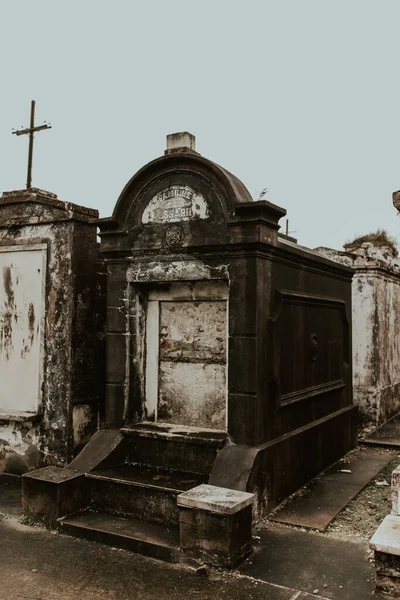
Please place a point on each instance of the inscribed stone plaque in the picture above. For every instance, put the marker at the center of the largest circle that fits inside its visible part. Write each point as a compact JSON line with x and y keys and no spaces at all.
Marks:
{"x":176,"y":203}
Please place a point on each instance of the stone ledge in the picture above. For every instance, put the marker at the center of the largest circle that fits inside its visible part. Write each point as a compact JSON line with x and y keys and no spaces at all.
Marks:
{"x":215,"y":499}
{"x":386,"y":538}
{"x":6,"y":415}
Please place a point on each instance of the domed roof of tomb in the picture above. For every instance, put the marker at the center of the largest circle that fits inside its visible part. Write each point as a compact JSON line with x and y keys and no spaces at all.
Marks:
{"x":177,"y":168}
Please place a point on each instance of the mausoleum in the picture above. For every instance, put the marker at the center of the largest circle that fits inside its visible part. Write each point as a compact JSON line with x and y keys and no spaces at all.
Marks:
{"x":228,"y":365}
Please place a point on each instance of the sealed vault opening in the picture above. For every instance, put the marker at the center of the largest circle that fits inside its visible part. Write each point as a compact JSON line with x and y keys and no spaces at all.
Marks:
{"x":186,"y":354}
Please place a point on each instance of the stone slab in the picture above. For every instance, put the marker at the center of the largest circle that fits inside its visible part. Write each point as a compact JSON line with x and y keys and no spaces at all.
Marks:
{"x":387,"y":434}
{"x":284,"y":556}
{"x":215,"y":499}
{"x":387,"y":537}
{"x":150,"y":539}
{"x":105,"y":448}
{"x":54,"y":475}
{"x":182,"y":433}
{"x":140,"y":475}
{"x":327,"y":495}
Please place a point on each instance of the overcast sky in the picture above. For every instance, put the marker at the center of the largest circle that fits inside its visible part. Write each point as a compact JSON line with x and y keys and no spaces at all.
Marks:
{"x":299,"y":96}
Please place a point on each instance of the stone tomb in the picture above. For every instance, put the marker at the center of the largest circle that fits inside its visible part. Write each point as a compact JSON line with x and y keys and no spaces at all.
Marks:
{"x":51,"y":319}
{"x":228,"y":358}
{"x":386,"y":545}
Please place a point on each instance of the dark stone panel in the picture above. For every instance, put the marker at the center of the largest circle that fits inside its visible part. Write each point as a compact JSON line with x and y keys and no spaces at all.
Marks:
{"x":171,"y":454}
{"x":89,"y":323}
{"x":116,"y":358}
{"x":116,"y":284}
{"x":284,"y":465}
{"x":242,"y":365}
{"x":149,"y":502}
{"x":242,"y":414}
{"x":278,"y":468}
{"x":115,"y":405}
{"x":243,"y":296}
{"x":301,"y":412}
{"x":116,"y":319}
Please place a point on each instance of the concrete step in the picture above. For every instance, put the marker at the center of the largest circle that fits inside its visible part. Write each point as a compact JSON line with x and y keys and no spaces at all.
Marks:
{"x":175,"y":447}
{"x":151,"y":539}
{"x":140,"y":490}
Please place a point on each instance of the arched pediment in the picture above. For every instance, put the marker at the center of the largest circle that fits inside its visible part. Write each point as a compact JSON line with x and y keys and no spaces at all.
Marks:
{"x":178,"y":187}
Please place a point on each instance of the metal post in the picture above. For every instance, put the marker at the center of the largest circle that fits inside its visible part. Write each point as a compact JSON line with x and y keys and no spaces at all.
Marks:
{"x":30,"y":155}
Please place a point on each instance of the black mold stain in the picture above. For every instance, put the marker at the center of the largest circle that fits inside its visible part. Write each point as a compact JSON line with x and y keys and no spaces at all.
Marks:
{"x":31,"y":322}
{"x":7,"y":321}
{"x":7,"y":282}
{"x":6,"y":334}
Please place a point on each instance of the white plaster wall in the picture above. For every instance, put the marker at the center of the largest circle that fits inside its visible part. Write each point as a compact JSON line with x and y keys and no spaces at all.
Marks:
{"x":363,"y":308}
{"x":376,"y":329}
{"x":21,"y":328}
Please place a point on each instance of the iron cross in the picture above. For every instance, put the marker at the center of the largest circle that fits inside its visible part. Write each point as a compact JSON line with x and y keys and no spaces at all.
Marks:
{"x":30,"y":131}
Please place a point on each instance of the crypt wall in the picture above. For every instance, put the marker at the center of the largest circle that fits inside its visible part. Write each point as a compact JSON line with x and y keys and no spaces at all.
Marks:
{"x":51,"y":319}
{"x":376,"y":328}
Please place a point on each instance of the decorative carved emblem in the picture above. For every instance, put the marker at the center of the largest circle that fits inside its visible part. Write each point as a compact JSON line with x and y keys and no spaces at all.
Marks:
{"x":176,"y":203}
{"x":174,"y":236}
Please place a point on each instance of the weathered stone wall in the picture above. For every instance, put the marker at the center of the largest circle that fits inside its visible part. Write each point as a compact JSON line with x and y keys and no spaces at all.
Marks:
{"x":71,"y":366}
{"x":376,"y":328}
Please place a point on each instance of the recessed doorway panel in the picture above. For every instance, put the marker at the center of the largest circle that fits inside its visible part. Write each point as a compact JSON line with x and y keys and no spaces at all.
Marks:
{"x":186,"y":365}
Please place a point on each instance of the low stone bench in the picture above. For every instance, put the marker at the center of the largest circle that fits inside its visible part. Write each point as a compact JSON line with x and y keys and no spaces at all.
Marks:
{"x":386,"y":545}
{"x":215,"y":525}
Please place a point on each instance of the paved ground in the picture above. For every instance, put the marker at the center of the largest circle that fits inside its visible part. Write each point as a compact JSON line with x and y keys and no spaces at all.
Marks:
{"x":288,"y":565}
{"x":308,"y":562}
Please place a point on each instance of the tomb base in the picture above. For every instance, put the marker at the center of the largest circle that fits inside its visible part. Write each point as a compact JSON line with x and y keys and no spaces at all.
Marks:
{"x":215,"y":525}
{"x":278,"y":468}
{"x":386,"y":545}
{"x":49,"y":493}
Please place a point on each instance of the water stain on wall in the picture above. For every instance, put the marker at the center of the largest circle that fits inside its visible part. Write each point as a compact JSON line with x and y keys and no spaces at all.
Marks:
{"x":31,"y":323}
{"x":6,"y":321}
